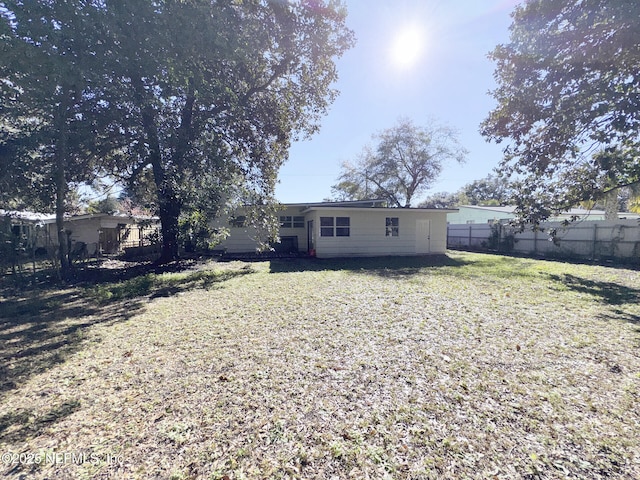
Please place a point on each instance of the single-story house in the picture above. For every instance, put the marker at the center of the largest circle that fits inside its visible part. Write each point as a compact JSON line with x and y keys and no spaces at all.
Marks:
{"x":469,"y":214}
{"x":110,"y":232}
{"x":31,"y":227}
{"x":347,"y":229}
{"x":99,"y":232}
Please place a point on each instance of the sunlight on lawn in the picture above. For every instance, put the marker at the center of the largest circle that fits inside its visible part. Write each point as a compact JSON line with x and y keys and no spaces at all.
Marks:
{"x":462,"y":366}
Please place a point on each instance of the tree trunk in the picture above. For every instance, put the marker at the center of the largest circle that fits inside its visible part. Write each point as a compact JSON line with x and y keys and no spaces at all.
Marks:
{"x":169,"y":213}
{"x":611,"y":205}
{"x":169,"y":204}
{"x":61,"y":190}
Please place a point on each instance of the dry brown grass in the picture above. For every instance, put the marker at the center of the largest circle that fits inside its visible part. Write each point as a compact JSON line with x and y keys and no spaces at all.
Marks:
{"x":475,"y":366}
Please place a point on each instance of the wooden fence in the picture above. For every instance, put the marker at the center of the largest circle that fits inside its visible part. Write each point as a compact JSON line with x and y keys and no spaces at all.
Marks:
{"x":592,"y":240}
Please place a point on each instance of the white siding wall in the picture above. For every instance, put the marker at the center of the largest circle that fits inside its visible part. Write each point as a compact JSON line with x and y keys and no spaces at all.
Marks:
{"x":240,"y":240}
{"x":466,"y":215}
{"x":243,"y":239}
{"x":301,"y":233}
{"x":85,"y":230}
{"x":367,"y":233}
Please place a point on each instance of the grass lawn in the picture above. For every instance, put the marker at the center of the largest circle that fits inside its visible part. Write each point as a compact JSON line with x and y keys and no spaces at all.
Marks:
{"x":466,"y":366}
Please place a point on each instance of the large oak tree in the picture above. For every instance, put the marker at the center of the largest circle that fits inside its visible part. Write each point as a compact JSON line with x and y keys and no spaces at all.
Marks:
{"x":405,"y":162}
{"x":203,"y":97}
{"x":215,"y":91}
{"x":568,"y":102}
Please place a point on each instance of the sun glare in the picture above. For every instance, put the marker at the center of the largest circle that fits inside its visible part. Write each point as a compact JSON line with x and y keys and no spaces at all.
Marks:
{"x":407,"y":47}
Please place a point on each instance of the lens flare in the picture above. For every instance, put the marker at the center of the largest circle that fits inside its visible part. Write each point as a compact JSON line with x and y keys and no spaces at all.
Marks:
{"x":407,"y":47}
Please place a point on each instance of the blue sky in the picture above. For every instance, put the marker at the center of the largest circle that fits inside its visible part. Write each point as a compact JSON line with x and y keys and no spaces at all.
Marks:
{"x":448,"y":83}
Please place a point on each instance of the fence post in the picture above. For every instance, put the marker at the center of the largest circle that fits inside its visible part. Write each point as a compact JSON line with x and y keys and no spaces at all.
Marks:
{"x":535,"y":241}
{"x":470,"y":227}
{"x":595,"y":239}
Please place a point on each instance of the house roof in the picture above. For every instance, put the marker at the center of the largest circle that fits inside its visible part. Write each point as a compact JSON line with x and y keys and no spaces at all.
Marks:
{"x":51,"y":218}
{"x":29,"y":216}
{"x":112,"y":215}
{"x":505,"y":209}
{"x":380,"y":209}
{"x":377,"y":203}
{"x":367,"y":203}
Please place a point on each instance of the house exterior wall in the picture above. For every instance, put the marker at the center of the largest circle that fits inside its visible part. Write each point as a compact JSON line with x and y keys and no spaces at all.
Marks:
{"x":485,"y":215}
{"x":438,"y":232}
{"x":368,"y":232}
{"x":242,"y":239}
{"x":87,"y":229}
{"x":293,"y":229}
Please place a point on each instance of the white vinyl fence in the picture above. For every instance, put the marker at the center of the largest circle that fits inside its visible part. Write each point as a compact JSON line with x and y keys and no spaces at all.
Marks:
{"x":594,"y":240}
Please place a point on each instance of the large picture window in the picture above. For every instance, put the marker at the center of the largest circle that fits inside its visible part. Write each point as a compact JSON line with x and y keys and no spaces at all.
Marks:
{"x":392,"y":227}
{"x":335,"y":226}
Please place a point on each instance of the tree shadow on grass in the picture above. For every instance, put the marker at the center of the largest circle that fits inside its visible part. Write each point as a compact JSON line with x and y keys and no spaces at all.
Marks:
{"x":26,"y":422}
{"x":154,"y":285}
{"x":42,"y":327}
{"x":392,"y":267}
{"x":609,"y":293}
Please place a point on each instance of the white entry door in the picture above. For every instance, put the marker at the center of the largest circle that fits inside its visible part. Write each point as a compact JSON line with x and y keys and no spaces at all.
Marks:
{"x":423,"y":236}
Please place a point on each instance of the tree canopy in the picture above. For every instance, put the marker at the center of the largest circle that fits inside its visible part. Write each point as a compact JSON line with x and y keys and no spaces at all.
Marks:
{"x":441,"y":200}
{"x":203,"y":98}
{"x":405,"y":162}
{"x":491,"y":190}
{"x":568,"y":102}
{"x":51,"y":108}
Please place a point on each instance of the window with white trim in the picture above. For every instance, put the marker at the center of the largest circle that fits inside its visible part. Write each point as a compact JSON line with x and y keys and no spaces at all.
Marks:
{"x":289,"y":221}
{"x":392,"y":228}
{"x":335,"y":226}
{"x":343,"y":226}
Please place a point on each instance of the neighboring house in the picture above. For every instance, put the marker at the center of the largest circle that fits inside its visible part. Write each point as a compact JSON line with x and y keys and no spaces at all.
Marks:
{"x":32,"y":227}
{"x":468,"y":214}
{"x":346,"y":229}
{"x":110,"y":233}
{"x":100,"y":232}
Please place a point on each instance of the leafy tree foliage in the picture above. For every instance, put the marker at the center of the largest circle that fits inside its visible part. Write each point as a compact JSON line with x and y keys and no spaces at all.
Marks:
{"x":108,"y":204}
{"x":51,"y":108}
{"x":405,"y":162}
{"x":441,"y":200}
{"x":568,"y":102}
{"x":215,"y":91}
{"x":203,"y":98}
{"x":491,"y":190}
